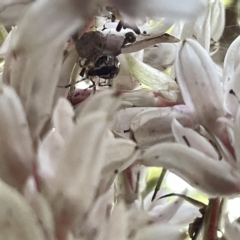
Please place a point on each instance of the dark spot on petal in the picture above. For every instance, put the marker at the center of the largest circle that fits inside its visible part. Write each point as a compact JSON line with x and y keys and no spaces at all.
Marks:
{"x":156,"y":157}
{"x":196,"y":183}
{"x":108,"y":211}
{"x":232,"y":92}
{"x":132,"y":233}
{"x":186,"y":141}
{"x":116,"y":171}
{"x":117,"y":94}
{"x":65,"y":53}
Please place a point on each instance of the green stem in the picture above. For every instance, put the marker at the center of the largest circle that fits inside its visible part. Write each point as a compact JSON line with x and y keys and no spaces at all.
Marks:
{"x":3,"y":34}
{"x":159,"y":183}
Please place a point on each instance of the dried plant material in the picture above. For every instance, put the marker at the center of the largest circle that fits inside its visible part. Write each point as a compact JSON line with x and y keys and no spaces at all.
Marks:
{"x":148,"y":42}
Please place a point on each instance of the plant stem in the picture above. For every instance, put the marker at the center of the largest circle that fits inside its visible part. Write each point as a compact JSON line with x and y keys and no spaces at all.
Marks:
{"x":211,"y":219}
{"x":159,"y":183}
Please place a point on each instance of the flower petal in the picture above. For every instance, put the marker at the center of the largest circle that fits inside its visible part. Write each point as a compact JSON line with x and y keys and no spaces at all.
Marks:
{"x":217,"y":19}
{"x":185,"y":215}
{"x":201,"y":88}
{"x":191,"y":138}
{"x":236,"y":140}
{"x":122,"y":121}
{"x":41,"y":208}
{"x":63,"y":118}
{"x":12,"y":14}
{"x":97,"y":217}
{"x":52,"y":146}
{"x":216,"y":178}
{"x":153,"y":78}
{"x":16,"y":153}
{"x":35,"y":62}
{"x":167,"y":211}
{"x":121,"y":153}
{"x":152,"y":126}
{"x":160,"y":231}
{"x":17,"y":217}
{"x":117,"y":226}
{"x":232,"y":230}
{"x":172,"y":9}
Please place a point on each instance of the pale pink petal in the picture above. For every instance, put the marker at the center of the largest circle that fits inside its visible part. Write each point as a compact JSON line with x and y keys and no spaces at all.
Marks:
{"x":79,"y":166}
{"x":167,"y":211}
{"x":122,"y":120}
{"x":160,"y":231}
{"x":99,"y":100}
{"x":152,"y":126}
{"x":6,"y":3}
{"x":160,"y":25}
{"x":231,"y":61}
{"x":52,"y":146}
{"x":200,"y":87}
{"x":120,"y":154}
{"x":35,"y":62}
{"x":116,"y":228}
{"x":236,"y":140}
{"x":17,"y":218}
{"x":63,"y":118}
{"x":173,"y":9}
{"x":11,"y":15}
{"x":216,"y":178}
{"x":217,"y":19}
{"x":41,"y":208}
{"x":185,"y":215}
{"x":66,"y":71}
{"x":96,"y":219}
{"x":148,"y":204}
{"x":191,"y":138}
{"x":232,"y":230}
{"x":140,"y":98}
{"x":16,"y":154}
{"x":161,"y":56}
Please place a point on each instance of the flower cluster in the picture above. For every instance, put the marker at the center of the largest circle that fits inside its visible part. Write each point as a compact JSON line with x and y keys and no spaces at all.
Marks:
{"x":74,"y":160}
